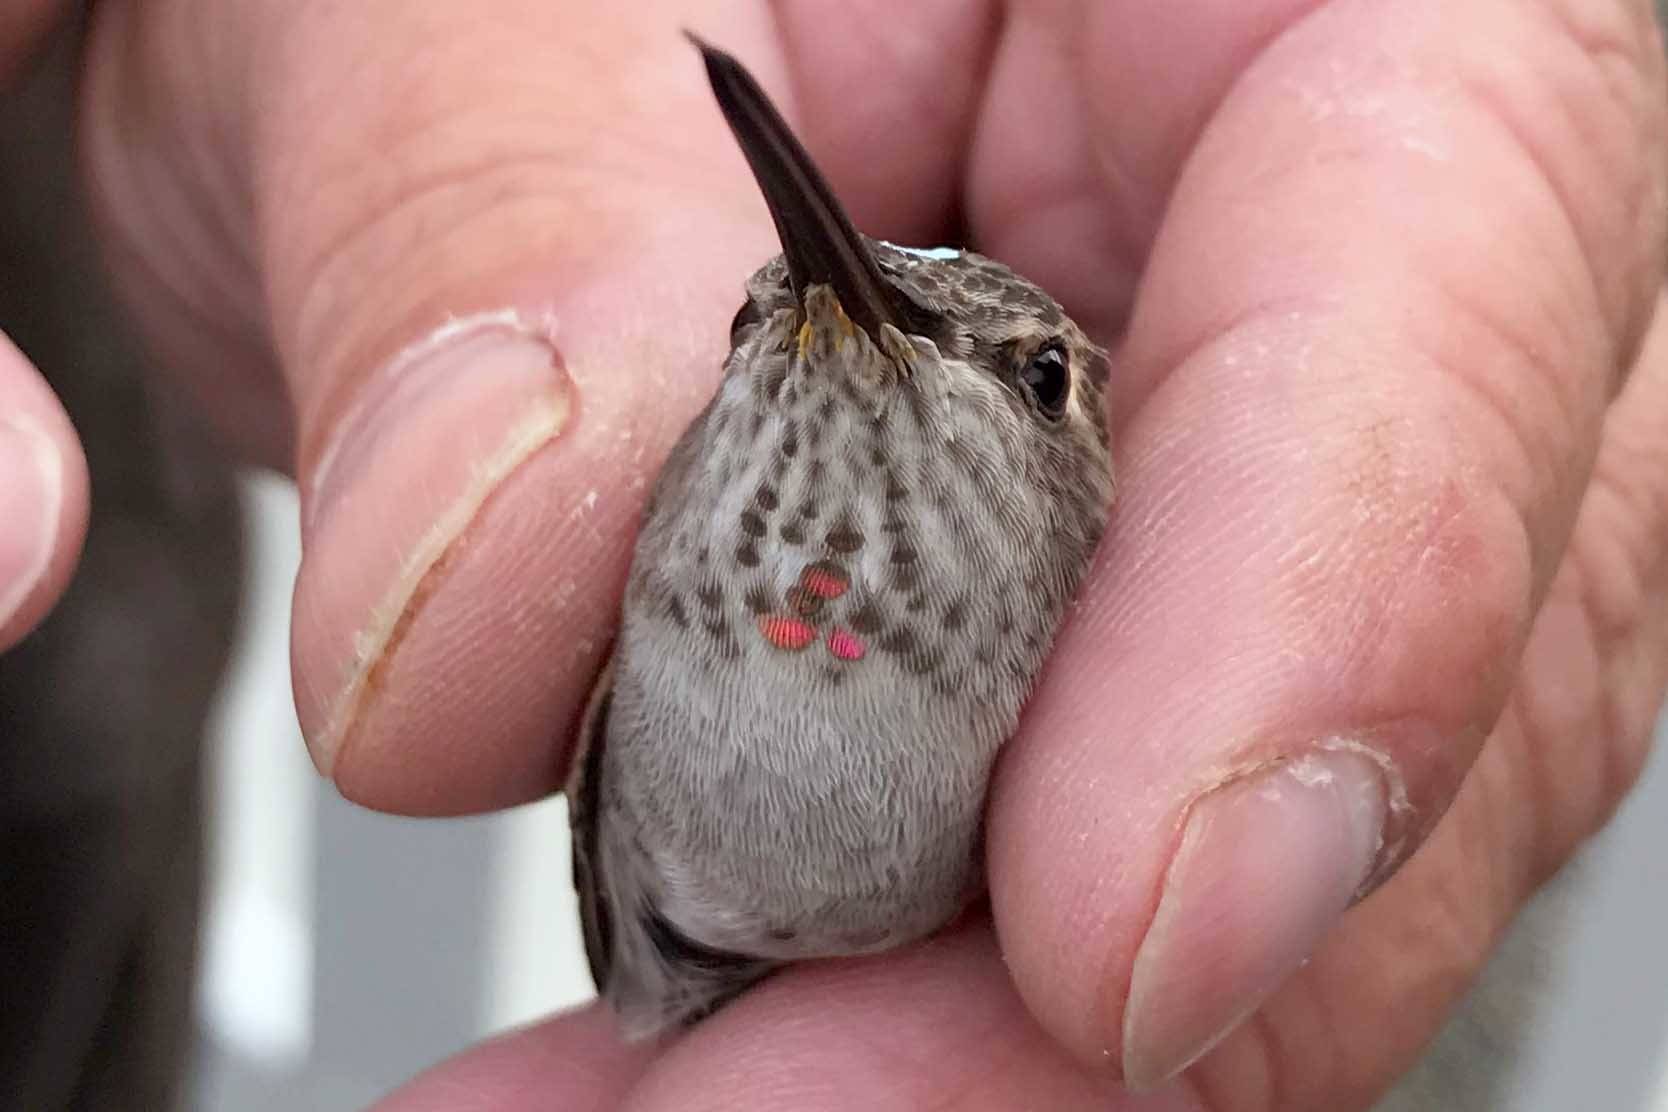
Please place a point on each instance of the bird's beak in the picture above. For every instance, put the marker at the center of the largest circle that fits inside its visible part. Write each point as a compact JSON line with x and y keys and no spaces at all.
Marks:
{"x":818,"y":241}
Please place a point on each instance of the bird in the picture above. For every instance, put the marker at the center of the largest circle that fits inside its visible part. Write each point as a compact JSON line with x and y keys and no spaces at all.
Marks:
{"x":849,"y":573}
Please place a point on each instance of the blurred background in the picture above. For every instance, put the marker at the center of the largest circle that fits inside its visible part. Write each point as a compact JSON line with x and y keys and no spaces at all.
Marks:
{"x":344,"y":950}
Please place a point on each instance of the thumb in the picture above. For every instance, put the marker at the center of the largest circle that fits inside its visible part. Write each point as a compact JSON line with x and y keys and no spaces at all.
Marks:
{"x":43,"y":497}
{"x":1368,"y":367}
{"x":491,"y":317}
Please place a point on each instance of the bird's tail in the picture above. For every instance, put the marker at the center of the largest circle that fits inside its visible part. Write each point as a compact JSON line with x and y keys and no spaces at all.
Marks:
{"x":660,"y":978}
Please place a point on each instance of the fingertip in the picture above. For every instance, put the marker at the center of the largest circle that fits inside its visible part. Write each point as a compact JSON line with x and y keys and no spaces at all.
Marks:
{"x":469,"y":518}
{"x":1265,"y":866}
{"x":43,"y":497}
{"x":441,"y":621}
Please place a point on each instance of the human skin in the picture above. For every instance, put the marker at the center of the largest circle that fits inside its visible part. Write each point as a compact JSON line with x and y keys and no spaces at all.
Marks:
{"x":1386,"y":573}
{"x":43,"y":474}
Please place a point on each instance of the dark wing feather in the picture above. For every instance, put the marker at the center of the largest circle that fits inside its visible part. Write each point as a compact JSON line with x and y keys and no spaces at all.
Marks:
{"x":583,"y":815}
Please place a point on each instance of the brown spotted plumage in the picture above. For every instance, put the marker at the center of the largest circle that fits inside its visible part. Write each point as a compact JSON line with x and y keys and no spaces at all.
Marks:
{"x":851,"y":570}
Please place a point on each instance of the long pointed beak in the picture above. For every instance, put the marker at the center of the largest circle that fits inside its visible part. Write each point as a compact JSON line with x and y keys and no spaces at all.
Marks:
{"x":818,"y":241}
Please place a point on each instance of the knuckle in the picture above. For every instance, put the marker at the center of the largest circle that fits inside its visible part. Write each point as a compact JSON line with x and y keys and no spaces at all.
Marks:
{"x":1588,"y":116}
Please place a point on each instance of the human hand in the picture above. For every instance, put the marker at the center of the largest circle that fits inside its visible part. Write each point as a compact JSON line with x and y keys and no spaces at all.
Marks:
{"x":1377,"y":279}
{"x":43,"y":474}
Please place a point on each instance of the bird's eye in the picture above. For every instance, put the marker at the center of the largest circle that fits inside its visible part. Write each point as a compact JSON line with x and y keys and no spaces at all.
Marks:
{"x":746,"y":316}
{"x":1047,"y":381}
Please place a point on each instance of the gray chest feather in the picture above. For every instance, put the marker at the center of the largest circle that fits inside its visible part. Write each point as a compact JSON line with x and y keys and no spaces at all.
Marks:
{"x":824,"y":647}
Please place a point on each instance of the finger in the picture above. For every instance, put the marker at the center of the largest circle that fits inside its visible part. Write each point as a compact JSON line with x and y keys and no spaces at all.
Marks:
{"x":22,"y":24}
{"x":498,"y":278}
{"x":937,"y":1026}
{"x":575,"y":1061}
{"x":1616,"y":573}
{"x":897,"y":152}
{"x":1127,"y":89}
{"x":491,"y":312}
{"x":470,"y":495}
{"x":1571,"y":742}
{"x":1387,"y":305}
{"x":43,"y":497}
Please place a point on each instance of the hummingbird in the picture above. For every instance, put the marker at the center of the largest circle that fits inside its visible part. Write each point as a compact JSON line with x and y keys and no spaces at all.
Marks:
{"x":849,"y":573}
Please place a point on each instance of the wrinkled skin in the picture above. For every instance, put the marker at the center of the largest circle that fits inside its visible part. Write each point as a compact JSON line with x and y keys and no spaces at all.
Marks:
{"x":1379,"y":281}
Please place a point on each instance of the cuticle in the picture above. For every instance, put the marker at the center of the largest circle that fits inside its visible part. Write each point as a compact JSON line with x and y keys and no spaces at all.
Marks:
{"x":1398,"y":816}
{"x":1398,"y":811}
{"x":373,"y":391}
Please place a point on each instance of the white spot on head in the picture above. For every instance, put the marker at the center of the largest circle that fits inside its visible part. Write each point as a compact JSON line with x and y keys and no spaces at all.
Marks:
{"x":927,"y":252}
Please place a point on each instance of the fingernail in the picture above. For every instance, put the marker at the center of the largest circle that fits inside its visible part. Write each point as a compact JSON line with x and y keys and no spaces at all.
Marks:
{"x":474,"y":377}
{"x":432,"y":436}
{"x":1265,"y":866}
{"x":31,"y":499}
